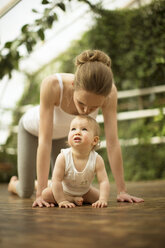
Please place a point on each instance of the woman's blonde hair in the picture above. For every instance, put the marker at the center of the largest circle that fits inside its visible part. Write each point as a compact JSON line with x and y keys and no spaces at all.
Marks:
{"x":93,"y":72}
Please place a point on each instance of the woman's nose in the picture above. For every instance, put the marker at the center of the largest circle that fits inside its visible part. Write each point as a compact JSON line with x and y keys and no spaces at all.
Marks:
{"x":86,"y":110}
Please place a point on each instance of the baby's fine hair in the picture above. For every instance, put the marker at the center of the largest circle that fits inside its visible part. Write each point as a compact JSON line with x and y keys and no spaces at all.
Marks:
{"x":93,"y":72}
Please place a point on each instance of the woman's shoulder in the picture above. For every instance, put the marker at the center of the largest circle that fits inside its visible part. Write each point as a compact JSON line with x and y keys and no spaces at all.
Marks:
{"x":67,"y":77}
{"x":53,"y":79}
{"x":50,"y":87}
{"x":49,"y":82}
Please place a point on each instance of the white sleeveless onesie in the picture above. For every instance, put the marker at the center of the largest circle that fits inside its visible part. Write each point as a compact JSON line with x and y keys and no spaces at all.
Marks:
{"x":78,"y":183}
{"x":61,"y":119}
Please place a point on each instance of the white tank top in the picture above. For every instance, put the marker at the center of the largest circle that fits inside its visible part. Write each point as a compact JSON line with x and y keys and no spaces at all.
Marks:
{"x":61,"y":119}
{"x":77,"y":183}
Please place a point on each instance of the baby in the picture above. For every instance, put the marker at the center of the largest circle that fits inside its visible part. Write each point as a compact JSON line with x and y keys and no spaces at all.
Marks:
{"x":75,"y":168}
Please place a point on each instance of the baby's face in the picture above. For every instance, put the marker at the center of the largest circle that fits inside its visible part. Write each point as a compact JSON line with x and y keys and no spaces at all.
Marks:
{"x":81,"y":134}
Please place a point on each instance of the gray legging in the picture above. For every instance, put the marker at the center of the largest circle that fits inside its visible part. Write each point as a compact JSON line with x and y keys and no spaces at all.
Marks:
{"x":27,"y":150}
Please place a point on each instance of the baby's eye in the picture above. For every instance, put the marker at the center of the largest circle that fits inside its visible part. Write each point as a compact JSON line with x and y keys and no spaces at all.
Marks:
{"x":73,"y":129}
{"x":84,"y":129}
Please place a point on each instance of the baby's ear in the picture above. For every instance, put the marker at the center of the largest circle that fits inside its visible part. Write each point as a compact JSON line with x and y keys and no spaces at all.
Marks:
{"x":96,"y":140}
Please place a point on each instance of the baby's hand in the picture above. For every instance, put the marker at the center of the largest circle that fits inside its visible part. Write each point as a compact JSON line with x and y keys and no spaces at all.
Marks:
{"x":100,"y":204}
{"x":66,"y":204}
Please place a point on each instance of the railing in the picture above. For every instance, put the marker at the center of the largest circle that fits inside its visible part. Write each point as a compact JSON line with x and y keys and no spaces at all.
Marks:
{"x":128,"y":115}
{"x":141,"y":92}
{"x":137,"y":114}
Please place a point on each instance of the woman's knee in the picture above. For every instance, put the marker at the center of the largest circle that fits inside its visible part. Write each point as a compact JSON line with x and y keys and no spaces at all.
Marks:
{"x":25,"y":194}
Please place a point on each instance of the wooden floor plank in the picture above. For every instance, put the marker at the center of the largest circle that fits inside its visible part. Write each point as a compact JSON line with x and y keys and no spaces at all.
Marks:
{"x":120,"y":225}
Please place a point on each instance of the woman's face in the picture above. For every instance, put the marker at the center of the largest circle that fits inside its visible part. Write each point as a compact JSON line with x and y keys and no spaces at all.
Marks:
{"x":87,"y":102}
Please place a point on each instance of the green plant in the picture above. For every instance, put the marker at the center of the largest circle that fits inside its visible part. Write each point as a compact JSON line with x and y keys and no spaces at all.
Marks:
{"x":31,"y":34}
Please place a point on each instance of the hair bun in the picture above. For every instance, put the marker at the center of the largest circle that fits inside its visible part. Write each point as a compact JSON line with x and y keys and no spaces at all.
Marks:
{"x":92,"y":56}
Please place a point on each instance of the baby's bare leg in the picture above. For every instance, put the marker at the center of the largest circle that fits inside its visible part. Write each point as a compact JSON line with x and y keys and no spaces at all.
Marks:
{"x":47,"y":195}
{"x":92,"y":195}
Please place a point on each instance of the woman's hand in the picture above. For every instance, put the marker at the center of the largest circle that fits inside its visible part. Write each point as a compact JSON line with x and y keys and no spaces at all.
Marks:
{"x":100,"y":204}
{"x":66,"y":204}
{"x":39,"y":202}
{"x":124,"y":197}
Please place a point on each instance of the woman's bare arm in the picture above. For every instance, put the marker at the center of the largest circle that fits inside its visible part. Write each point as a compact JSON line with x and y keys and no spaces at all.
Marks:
{"x":49,"y":97}
{"x":109,"y":110}
{"x":113,"y":147}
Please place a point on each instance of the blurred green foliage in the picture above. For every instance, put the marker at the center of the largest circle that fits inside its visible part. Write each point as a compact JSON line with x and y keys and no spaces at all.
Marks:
{"x":135,"y":41}
{"x":144,"y":162}
{"x":31,"y":34}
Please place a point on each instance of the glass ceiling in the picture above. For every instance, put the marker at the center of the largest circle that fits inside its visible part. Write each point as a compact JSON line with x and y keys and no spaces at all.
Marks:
{"x":70,"y":26}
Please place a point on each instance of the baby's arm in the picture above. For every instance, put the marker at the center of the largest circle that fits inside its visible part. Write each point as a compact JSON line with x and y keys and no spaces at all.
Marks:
{"x":57,"y":189}
{"x":103,"y":184}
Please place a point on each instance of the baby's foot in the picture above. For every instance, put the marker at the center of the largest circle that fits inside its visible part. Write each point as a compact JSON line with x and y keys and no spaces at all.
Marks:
{"x":78,"y":200}
{"x":10,"y":185}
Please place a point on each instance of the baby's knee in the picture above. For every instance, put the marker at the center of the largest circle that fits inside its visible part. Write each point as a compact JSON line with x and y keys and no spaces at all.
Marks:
{"x":44,"y":194}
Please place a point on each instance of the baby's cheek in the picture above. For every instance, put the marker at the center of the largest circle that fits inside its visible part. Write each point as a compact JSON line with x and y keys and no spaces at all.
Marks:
{"x":69,"y":138}
{"x":86,"y":138}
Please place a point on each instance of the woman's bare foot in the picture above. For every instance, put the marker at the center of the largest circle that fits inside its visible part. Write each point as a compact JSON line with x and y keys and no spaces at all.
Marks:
{"x":12,"y":185}
{"x":78,"y":200}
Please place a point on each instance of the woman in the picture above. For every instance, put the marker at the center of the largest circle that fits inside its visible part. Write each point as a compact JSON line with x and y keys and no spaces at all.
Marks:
{"x":43,"y":130}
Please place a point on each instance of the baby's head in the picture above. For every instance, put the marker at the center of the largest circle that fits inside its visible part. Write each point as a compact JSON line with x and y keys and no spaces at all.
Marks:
{"x":89,"y":130}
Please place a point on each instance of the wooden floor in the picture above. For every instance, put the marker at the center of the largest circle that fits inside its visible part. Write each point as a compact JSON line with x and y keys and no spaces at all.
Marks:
{"x":120,"y":225}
